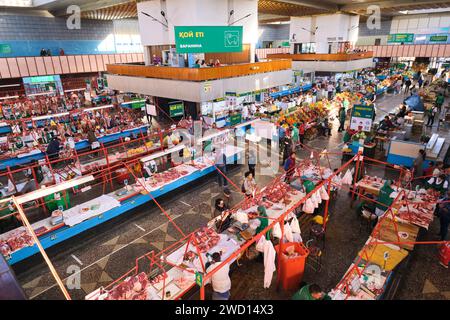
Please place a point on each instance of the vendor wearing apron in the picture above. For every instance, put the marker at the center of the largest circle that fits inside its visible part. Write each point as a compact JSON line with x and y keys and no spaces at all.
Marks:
{"x":309,"y":186}
{"x":384,"y":198}
{"x":263,"y":218}
{"x":56,"y":200}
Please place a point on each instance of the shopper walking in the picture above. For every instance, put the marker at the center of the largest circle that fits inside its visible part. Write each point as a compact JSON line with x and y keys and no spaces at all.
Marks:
{"x":252,"y":162}
{"x":287,"y":147}
{"x":249,"y":185}
{"x":407,"y":85}
{"x":420,"y":82}
{"x":295,"y":136}
{"x":342,"y":115}
{"x":301,"y":133}
{"x":220,"y":280}
{"x":220,"y":163}
{"x":439,"y":102}
{"x":289,"y":166}
{"x":431,"y":115}
{"x":418,"y":164}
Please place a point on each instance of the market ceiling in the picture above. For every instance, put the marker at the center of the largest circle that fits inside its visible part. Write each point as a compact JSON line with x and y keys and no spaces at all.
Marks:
{"x":269,"y":10}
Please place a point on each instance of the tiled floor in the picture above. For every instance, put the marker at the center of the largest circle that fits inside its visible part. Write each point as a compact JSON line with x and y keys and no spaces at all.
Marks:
{"x":105,"y":254}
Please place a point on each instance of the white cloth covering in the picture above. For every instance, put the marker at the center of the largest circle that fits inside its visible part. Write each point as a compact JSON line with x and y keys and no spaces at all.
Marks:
{"x":288,"y":233}
{"x":295,"y":226}
{"x":260,"y":244}
{"x":221,"y":281}
{"x":269,"y":263}
{"x":308,"y":207}
{"x":277,"y":231}
{"x":324,"y":194}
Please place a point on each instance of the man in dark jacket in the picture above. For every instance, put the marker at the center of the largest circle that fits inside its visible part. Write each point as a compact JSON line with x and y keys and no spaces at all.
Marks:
{"x":342,"y":115}
{"x":444,"y":217}
{"x":53,"y":149}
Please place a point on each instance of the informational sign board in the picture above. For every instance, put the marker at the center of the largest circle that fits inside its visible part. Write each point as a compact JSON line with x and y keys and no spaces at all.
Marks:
{"x":151,"y":110}
{"x":442,"y":38}
{"x":5,"y":48}
{"x":202,"y":39}
{"x":138,"y":104}
{"x":361,"y":117}
{"x":176,"y":109}
{"x":235,"y":119}
{"x":231,"y":99}
{"x":401,"y":37}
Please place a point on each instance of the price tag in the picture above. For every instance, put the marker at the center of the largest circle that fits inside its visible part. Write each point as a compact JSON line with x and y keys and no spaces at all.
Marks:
{"x":86,"y":189}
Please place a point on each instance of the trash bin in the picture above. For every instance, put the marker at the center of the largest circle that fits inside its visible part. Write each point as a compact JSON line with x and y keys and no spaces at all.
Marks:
{"x":369,"y":150}
{"x":122,"y":175}
{"x":292,"y":269}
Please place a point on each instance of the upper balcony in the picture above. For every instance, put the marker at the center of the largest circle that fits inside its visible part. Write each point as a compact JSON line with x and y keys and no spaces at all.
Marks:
{"x":322,"y":57}
{"x":18,"y":67}
{"x":199,"y":74}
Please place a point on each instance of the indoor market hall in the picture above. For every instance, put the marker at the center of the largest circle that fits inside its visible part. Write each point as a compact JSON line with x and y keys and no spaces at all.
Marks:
{"x":240,"y":150}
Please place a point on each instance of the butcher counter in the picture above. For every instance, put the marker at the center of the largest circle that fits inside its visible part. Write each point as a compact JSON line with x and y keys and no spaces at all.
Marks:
{"x":129,"y":199}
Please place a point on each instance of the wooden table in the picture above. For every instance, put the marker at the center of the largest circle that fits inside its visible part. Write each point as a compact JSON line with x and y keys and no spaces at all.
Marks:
{"x":380,"y":141}
{"x":387,"y":233}
{"x":368,"y":188}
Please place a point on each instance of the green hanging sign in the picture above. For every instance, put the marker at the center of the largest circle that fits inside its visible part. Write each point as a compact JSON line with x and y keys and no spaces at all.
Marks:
{"x":438,"y":38}
{"x":176,"y":109}
{"x":235,"y":119}
{"x":203,"y":39}
{"x":401,"y":37}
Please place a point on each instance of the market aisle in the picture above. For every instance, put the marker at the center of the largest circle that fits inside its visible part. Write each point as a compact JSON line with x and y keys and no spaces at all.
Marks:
{"x":110,"y":251}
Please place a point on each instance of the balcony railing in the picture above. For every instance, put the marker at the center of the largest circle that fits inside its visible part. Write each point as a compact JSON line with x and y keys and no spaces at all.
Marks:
{"x":198,"y":74}
{"x":40,"y":66}
{"x":410,"y":50}
{"x":322,"y":57}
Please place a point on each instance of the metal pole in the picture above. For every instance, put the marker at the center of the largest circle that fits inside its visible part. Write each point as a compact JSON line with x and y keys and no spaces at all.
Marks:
{"x":325,"y":215}
{"x":356,"y":175}
{"x":41,"y":249}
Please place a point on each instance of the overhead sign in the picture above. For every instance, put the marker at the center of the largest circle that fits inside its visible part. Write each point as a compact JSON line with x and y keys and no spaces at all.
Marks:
{"x":176,"y":109}
{"x":438,"y":38}
{"x":235,"y":119}
{"x":362,"y":116}
{"x":401,"y":37}
{"x":202,"y":39}
{"x":41,"y":79}
{"x":137,"y":104}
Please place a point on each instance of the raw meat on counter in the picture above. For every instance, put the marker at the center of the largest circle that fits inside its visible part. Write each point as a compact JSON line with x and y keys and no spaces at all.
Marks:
{"x":132,"y":288}
{"x":16,"y":240}
{"x":279,"y":192}
{"x":205,"y":239}
{"x":162,"y":178}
